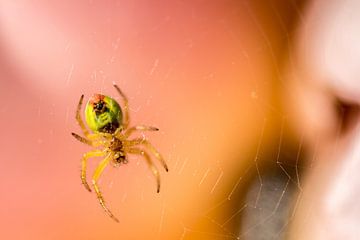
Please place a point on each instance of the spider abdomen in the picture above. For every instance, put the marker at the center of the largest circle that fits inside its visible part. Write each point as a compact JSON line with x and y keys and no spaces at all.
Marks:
{"x":103,"y":114}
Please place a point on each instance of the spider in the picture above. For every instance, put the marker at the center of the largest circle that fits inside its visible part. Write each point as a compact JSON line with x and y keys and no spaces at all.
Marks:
{"x":111,"y":137}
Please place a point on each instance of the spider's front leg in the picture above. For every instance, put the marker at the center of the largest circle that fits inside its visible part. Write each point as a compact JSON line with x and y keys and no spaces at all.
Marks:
{"x":86,"y":156}
{"x":148,"y":145}
{"x":96,"y":177}
{"x":150,"y":163}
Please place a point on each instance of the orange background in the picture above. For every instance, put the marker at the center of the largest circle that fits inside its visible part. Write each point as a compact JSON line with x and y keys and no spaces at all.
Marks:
{"x":200,"y":71}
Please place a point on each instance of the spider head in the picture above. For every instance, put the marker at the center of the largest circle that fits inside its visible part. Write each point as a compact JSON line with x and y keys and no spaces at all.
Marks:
{"x":120,"y":158}
{"x":103,"y":114}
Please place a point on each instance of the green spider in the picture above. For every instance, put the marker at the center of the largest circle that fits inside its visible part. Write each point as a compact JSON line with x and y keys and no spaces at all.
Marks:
{"x":110,"y":135}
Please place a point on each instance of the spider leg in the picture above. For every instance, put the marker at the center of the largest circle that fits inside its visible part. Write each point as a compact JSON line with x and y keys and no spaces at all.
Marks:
{"x":82,"y":139}
{"x":94,"y":136}
{"x":149,"y":146}
{"x":150,"y":163}
{"x":78,"y":117}
{"x":87,"y":141}
{"x":96,"y":177}
{"x":86,"y":156}
{"x":126,"y":107}
{"x":129,"y":131}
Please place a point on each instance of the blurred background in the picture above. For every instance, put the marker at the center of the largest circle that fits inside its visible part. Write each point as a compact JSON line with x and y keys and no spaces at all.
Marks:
{"x":247,"y":96}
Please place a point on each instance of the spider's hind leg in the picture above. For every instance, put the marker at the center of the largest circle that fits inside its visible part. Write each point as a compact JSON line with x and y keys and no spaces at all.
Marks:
{"x":126,"y":106}
{"x":78,"y":117}
{"x":93,"y":143}
{"x":140,"y":128}
{"x":82,"y":139}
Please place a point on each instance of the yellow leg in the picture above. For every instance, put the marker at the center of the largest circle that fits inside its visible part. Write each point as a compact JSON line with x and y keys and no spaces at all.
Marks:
{"x":96,"y":177}
{"x":95,"y":136}
{"x":86,"y":156}
{"x":148,"y":145}
{"x":78,"y":117}
{"x":129,"y":131}
{"x":126,"y":107}
{"x":150,"y":163}
{"x":81,"y":139}
{"x":87,"y":141}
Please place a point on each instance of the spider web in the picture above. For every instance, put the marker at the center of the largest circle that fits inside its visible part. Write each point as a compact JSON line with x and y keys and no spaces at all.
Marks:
{"x":273,"y":178}
{"x":262,"y":196}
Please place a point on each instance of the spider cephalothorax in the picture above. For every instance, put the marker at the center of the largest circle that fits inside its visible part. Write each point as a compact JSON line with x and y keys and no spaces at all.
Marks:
{"x":116,"y":146}
{"x":110,"y":135}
